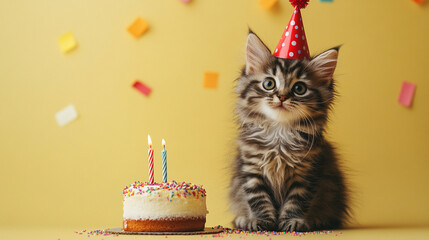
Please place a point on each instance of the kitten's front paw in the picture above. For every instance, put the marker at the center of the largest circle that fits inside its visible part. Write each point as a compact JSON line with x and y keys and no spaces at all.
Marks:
{"x":293,"y":225}
{"x":255,"y":224}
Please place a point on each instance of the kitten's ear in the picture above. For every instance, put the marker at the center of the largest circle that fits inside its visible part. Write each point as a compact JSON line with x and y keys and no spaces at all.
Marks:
{"x":257,"y":53}
{"x":325,"y":63}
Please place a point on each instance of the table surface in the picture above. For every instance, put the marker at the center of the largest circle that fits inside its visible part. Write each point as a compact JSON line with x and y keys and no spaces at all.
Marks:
{"x":379,"y":233}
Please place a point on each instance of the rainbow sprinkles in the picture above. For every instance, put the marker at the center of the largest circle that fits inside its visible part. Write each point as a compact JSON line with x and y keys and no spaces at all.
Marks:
{"x":174,"y":189}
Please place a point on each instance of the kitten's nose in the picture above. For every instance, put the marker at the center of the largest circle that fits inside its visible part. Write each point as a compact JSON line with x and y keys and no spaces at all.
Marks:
{"x":282,"y":97}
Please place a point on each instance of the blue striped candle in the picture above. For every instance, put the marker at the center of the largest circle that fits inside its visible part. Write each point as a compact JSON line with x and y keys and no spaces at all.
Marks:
{"x":164,"y":162}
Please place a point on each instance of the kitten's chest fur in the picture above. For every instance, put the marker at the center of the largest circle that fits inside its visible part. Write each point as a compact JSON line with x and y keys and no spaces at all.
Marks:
{"x":282,"y":154}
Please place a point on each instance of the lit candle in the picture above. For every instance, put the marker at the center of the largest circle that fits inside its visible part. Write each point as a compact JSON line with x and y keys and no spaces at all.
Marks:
{"x":150,"y":153}
{"x":164,"y":162}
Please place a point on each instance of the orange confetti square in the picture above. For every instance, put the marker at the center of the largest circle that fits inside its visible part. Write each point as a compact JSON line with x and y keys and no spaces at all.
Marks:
{"x":418,"y":1}
{"x":267,"y":4}
{"x":138,"y":27}
{"x":210,"y":80}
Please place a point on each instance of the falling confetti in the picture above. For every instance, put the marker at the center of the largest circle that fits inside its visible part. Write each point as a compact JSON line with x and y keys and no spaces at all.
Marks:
{"x":66,"y":115}
{"x":142,"y":88}
{"x":210,"y":80}
{"x":67,"y":42}
{"x":138,"y":27}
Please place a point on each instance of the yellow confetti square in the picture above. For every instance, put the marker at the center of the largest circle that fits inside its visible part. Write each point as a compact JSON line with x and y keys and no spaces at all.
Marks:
{"x":210,"y":80}
{"x":267,"y":4}
{"x":138,"y":27}
{"x":67,"y":42}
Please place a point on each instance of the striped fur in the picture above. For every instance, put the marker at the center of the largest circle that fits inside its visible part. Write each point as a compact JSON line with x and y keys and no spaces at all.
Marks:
{"x":286,"y":174}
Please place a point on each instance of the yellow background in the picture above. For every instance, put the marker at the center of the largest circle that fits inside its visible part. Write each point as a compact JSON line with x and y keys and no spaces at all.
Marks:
{"x":74,"y":176}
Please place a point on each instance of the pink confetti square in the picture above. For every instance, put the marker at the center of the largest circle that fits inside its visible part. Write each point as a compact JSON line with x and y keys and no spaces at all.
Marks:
{"x":142,"y":88}
{"x":407,"y":93}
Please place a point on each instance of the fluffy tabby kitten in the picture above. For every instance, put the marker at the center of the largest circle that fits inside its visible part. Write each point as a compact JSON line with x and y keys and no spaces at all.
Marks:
{"x":286,"y":174}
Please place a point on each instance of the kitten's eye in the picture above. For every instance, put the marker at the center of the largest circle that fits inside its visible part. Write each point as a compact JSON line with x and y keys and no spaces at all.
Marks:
{"x":299,"y":88}
{"x":269,"y":83}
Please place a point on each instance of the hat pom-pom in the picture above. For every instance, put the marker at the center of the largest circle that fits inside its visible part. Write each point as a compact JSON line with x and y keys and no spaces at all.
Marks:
{"x":299,"y":3}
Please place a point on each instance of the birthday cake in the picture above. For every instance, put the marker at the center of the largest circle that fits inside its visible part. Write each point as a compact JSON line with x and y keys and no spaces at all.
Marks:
{"x":164,"y":207}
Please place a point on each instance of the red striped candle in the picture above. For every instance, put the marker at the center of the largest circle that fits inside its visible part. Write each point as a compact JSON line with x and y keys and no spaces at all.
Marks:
{"x":150,"y":159}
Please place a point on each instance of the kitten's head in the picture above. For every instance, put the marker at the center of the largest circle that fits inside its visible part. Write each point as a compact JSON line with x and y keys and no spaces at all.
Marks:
{"x":285,"y":91}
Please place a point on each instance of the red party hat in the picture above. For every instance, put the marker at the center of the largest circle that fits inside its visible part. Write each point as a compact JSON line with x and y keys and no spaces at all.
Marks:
{"x":293,"y":43}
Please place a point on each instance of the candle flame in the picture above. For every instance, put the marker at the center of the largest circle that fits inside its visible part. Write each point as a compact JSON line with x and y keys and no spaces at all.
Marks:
{"x":163,"y":142}
{"x":149,"y":141}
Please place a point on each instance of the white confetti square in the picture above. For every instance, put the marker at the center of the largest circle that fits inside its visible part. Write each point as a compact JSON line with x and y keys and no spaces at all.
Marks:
{"x":66,"y":115}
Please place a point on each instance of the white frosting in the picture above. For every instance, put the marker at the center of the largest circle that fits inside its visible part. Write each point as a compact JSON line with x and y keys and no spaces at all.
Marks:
{"x":159,"y":204}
